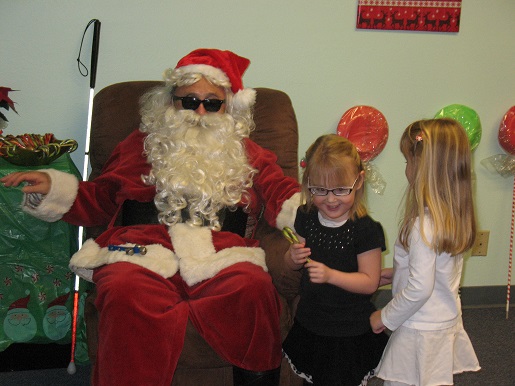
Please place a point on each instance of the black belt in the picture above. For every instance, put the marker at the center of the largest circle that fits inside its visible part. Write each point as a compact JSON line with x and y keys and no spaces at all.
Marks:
{"x":136,"y":213}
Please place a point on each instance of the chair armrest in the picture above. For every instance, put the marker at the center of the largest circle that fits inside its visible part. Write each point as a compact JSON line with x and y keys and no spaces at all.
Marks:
{"x":286,"y":280}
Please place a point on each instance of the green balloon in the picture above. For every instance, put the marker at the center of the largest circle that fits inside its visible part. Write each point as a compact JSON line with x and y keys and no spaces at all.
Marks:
{"x":468,"y":119}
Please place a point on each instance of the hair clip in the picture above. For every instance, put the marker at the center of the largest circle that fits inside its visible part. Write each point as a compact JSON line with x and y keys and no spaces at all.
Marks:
{"x":418,"y":138}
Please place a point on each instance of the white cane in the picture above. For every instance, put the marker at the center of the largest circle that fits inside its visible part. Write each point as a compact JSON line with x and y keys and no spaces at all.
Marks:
{"x":93,"y":73}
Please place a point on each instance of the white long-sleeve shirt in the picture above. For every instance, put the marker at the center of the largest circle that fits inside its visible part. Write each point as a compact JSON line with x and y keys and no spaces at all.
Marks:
{"x":425,"y":285}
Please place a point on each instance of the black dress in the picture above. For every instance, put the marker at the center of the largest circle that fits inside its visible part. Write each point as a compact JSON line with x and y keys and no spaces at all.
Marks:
{"x":331,"y":342}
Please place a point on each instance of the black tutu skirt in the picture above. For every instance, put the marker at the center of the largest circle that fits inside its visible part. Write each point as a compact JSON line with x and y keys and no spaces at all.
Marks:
{"x":333,"y":361}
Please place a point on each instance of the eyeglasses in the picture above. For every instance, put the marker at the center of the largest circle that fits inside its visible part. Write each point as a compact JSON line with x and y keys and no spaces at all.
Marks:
{"x":341,"y":191}
{"x":193,"y":103}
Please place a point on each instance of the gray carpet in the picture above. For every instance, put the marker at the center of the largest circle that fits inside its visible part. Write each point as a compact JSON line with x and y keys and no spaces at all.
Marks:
{"x":46,"y":377}
{"x":492,"y":335}
{"x":493,"y":338}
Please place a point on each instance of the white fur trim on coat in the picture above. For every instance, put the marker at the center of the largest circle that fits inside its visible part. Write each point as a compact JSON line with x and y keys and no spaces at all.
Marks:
{"x":286,"y":217}
{"x":60,"y":198}
{"x":198,"y":259}
{"x":158,"y":259}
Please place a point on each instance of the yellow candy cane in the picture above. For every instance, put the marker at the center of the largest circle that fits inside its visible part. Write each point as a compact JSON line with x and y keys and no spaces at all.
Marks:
{"x":290,"y":235}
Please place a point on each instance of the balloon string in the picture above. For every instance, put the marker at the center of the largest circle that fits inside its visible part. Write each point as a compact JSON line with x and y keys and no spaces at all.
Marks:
{"x":508,"y":288}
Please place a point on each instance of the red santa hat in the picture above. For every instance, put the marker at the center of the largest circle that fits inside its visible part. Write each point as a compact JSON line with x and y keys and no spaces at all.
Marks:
{"x":60,"y":301}
{"x":20,"y":303}
{"x":223,"y":68}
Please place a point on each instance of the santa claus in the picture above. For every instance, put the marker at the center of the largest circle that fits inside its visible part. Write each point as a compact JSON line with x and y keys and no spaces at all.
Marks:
{"x":193,"y":157}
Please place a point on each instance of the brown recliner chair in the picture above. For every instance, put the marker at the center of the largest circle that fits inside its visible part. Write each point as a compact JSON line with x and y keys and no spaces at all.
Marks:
{"x":115,"y":115}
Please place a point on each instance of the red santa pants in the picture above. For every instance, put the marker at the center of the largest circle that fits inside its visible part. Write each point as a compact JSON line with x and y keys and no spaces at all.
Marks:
{"x":143,"y":317}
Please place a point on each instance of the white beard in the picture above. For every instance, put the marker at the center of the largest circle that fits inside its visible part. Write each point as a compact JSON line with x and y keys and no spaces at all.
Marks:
{"x":198,"y":163}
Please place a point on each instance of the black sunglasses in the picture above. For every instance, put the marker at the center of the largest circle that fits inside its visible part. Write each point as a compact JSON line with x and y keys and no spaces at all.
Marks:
{"x":193,"y":103}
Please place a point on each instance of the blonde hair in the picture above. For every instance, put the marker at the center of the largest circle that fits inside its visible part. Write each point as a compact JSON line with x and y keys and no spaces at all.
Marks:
{"x":441,"y":184}
{"x":334,"y":161}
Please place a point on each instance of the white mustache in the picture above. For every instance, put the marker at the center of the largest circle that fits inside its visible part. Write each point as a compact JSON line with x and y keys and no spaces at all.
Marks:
{"x":190,"y":117}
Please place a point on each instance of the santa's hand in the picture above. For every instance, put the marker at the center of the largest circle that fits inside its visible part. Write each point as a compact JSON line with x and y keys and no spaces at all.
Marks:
{"x":37,"y":182}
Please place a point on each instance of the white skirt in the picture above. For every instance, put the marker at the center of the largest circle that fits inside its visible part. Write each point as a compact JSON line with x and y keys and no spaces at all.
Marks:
{"x":427,"y":358}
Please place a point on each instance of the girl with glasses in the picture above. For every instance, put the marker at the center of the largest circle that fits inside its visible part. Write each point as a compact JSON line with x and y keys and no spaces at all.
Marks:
{"x":339,"y":253}
{"x":429,"y":344}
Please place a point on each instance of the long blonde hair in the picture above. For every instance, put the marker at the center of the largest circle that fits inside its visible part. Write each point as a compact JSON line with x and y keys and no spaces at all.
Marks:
{"x":441,"y":184}
{"x":334,"y":161}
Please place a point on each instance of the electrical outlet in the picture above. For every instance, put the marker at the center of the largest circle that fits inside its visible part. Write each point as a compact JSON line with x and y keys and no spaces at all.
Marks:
{"x":480,"y":247}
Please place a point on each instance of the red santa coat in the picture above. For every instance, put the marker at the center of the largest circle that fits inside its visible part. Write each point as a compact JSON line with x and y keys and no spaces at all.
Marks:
{"x":197,"y":252}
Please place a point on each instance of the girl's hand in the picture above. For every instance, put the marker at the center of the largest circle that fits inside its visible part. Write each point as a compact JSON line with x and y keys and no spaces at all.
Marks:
{"x":299,"y":255}
{"x":376,"y":323}
{"x":37,"y":182}
{"x":318,"y":272}
{"x":386,"y":276}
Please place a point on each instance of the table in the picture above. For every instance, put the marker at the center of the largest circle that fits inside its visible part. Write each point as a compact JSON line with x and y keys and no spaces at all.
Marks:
{"x":36,"y":285}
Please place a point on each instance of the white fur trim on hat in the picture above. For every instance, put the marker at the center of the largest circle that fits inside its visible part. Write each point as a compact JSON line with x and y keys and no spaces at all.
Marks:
{"x":58,"y":201}
{"x":215,"y":75}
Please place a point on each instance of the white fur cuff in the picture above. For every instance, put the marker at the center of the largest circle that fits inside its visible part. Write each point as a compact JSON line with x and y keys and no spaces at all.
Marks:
{"x":286,"y":216}
{"x":63,"y":191}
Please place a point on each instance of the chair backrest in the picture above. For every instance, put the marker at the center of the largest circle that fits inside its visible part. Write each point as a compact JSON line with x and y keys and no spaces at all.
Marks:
{"x":116,"y":115}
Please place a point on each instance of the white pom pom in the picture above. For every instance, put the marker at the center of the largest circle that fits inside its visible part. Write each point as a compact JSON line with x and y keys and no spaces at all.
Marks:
{"x":244,"y":99}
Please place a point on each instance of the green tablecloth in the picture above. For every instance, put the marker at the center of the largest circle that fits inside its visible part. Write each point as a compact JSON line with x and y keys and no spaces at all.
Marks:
{"x":36,"y":285}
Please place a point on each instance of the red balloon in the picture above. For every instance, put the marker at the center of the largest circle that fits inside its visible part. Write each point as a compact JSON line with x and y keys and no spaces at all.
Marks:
{"x":507,"y":131}
{"x":366,"y":128}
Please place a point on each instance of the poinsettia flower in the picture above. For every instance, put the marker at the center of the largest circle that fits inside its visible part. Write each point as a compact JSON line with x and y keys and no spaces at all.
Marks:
{"x":5,"y":101}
